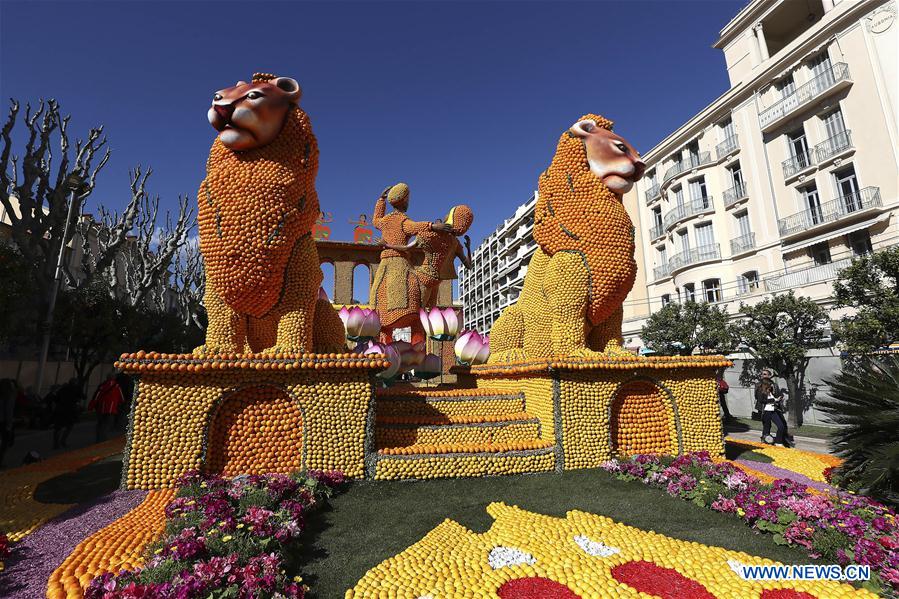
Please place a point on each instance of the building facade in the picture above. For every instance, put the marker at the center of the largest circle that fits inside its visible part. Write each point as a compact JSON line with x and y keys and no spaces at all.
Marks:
{"x":498,"y":266}
{"x":779,"y":182}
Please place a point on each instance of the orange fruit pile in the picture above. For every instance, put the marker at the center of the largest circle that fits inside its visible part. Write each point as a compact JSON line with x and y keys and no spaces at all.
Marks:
{"x":642,"y":421}
{"x":255,"y":431}
{"x":118,"y":546}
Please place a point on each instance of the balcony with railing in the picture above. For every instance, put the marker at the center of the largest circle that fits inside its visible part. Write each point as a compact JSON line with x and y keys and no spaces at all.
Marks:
{"x":833,"y":147}
{"x":831,"y":80}
{"x":798,"y":163}
{"x":687,"y":164}
{"x":735,"y":194}
{"x":703,"y":253}
{"x":656,"y":231}
{"x":684,"y":211}
{"x":806,"y":276}
{"x":727,"y":147}
{"x":830,"y":212}
{"x":660,"y":272}
{"x":742,"y":244}
{"x":653,"y":193}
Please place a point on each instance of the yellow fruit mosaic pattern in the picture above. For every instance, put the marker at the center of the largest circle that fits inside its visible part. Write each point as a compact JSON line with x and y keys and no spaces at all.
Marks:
{"x":20,"y":513}
{"x":528,"y":555}
{"x":247,"y":413}
{"x":806,"y":463}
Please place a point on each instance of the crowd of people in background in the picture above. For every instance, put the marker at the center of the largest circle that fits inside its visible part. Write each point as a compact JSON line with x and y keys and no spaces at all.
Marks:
{"x":61,"y":408}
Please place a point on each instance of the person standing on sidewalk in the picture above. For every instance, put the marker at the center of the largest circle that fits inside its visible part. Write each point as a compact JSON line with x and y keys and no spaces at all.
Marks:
{"x":65,"y":412}
{"x":769,"y":401}
{"x":723,"y":388}
{"x":106,"y":402}
{"x":7,"y":413}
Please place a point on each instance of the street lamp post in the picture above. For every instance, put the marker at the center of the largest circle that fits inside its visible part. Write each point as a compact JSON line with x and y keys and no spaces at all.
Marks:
{"x":73,"y":183}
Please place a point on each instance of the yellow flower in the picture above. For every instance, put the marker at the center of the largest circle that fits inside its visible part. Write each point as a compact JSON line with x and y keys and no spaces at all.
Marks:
{"x":740,"y":512}
{"x":158,"y":551}
{"x":240,"y":526}
{"x":227,"y":538}
{"x":298,"y":579}
{"x":762,"y":502}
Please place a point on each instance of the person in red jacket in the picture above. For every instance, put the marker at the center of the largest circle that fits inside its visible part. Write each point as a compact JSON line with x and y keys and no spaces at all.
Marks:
{"x":106,"y":402}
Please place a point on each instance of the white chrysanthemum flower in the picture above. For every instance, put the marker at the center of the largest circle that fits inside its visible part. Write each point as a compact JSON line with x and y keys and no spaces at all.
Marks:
{"x":595,"y":548}
{"x":501,"y":557}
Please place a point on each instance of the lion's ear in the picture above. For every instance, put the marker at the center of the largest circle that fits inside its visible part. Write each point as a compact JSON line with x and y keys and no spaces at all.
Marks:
{"x":583,"y":128}
{"x":290,"y":87}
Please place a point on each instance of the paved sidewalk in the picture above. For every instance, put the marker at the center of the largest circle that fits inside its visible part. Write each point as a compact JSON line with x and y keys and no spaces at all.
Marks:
{"x":82,"y":435}
{"x":804,"y":443}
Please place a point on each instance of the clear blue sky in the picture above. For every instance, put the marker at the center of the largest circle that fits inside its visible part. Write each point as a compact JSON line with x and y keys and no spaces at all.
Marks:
{"x":464,"y":101}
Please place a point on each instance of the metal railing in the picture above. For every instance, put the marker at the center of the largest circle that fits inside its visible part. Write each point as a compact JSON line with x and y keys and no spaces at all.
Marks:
{"x":692,"y":208}
{"x":656,"y":231}
{"x":660,"y":272}
{"x":687,"y":164}
{"x":735,"y":194}
{"x":742,"y":243}
{"x":726,"y":147}
{"x":806,"y":276}
{"x":829,"y":212}
{"x":695,"y":255}
{"x":653,"y":193}
{"x":831,"y":147}
{"x":805,"y":93}
{"x":797,"y":163}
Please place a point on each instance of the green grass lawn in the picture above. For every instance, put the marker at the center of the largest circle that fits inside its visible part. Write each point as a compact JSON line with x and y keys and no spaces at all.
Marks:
{"x":376,"y":520}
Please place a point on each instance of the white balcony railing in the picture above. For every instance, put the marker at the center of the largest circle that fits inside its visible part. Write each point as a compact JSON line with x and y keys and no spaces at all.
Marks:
{"x":804,"y":94}
{"x":798,"y":163}
{"x":830,"y":212}
{"x":687,"y":164}
{"x":653,"y":193}
{"x":692,"y":208}
{"x":660,"y":272}
{"x":703,"y":253}
{"x":735,"y":194}
{"x":726,"y":147}
{"x":837,"y":144}
{"x":742,"y":244}
{"x":805,"y":276}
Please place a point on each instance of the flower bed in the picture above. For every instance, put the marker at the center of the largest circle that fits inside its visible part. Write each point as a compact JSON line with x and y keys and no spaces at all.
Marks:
{"x":838,"y":527}
{"x":227,"y":538}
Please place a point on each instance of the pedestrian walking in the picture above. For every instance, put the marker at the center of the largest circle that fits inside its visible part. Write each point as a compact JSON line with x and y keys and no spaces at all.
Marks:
{"x":106,"y":402}
{"x":65,"y":412}
{"x":769,"y":401}
{"x":8,"y":390}
{"x":723,"y":388}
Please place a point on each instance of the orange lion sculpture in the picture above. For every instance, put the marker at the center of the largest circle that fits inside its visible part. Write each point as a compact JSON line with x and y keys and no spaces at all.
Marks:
{"x":576,"y":282}
{"x":257,"y":207}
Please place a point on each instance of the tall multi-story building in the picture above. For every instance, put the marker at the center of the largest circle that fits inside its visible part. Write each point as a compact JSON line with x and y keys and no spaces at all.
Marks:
{"x":790,"y":173}
{"x":497,"y":271}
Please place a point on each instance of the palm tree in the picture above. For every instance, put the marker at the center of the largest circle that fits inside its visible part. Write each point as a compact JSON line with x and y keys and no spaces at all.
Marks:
{"x":865,"y":402}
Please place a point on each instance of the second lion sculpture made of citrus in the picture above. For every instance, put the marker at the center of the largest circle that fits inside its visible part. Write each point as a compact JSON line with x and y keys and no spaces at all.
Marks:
{"x":576,"y":282}
{"x":257,"y":206}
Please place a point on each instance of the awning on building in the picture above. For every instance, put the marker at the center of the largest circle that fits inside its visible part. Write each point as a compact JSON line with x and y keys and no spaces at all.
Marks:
{"x":830,"y":235}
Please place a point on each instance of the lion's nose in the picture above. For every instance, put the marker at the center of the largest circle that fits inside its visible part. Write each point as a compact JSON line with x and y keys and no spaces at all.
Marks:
{"x":639,"y":169}
{"x":224,"y":110}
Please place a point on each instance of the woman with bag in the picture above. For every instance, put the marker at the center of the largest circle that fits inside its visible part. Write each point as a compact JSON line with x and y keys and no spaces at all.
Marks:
{"x":769,"y":401}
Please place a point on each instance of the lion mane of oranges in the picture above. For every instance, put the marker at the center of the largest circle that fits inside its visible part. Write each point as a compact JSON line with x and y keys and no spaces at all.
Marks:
{"x":256,"y":210}
{"x":577,"y":280}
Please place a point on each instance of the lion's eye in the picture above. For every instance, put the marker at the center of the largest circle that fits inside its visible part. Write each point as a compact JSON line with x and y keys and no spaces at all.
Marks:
{"x":254,"y":95}
{"x":216,"y":97}
{"x":621,"y":147}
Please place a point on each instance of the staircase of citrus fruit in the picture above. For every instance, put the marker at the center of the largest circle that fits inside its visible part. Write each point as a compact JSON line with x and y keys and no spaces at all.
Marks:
{"x":421,"y":433}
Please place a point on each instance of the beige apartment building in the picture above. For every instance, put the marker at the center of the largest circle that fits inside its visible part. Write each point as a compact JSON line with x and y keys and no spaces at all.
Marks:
{"x":785,"y":177}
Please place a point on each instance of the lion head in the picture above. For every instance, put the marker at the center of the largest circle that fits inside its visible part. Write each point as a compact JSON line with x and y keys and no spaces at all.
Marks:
{"x":251,"y":115}
{"x":579,"y":208}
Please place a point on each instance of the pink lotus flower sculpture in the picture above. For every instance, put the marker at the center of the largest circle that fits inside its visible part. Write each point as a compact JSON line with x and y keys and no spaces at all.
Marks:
{"x":440,"y":324}
{"x":471,"y":348}
{"x":411,"y":355}
{"x":362,"y":324}
{"x":429,"y":368}
{"x":390,"y":354}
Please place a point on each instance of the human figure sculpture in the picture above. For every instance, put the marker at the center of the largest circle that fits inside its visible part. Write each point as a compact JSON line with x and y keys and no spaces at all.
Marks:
{"x":257,"y":206}
{"x":579,"y":276}
{"x":395,"y":291}
{"x":362,"y":232}
{"x":433,"y":253}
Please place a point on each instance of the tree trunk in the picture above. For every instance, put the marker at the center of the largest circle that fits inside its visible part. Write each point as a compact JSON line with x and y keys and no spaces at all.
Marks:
{"x":795,"y":401}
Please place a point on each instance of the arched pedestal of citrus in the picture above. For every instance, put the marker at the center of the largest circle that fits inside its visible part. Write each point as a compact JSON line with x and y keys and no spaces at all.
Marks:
{"x":643,"y":420}
{"x":248,"y":414}
{"x":255,"y":430}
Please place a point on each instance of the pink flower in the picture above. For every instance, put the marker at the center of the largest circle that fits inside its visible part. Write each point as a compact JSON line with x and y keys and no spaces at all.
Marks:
{"x":360,"y":323}
{"x":471,"y":348}
{"x":440,"y":324}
